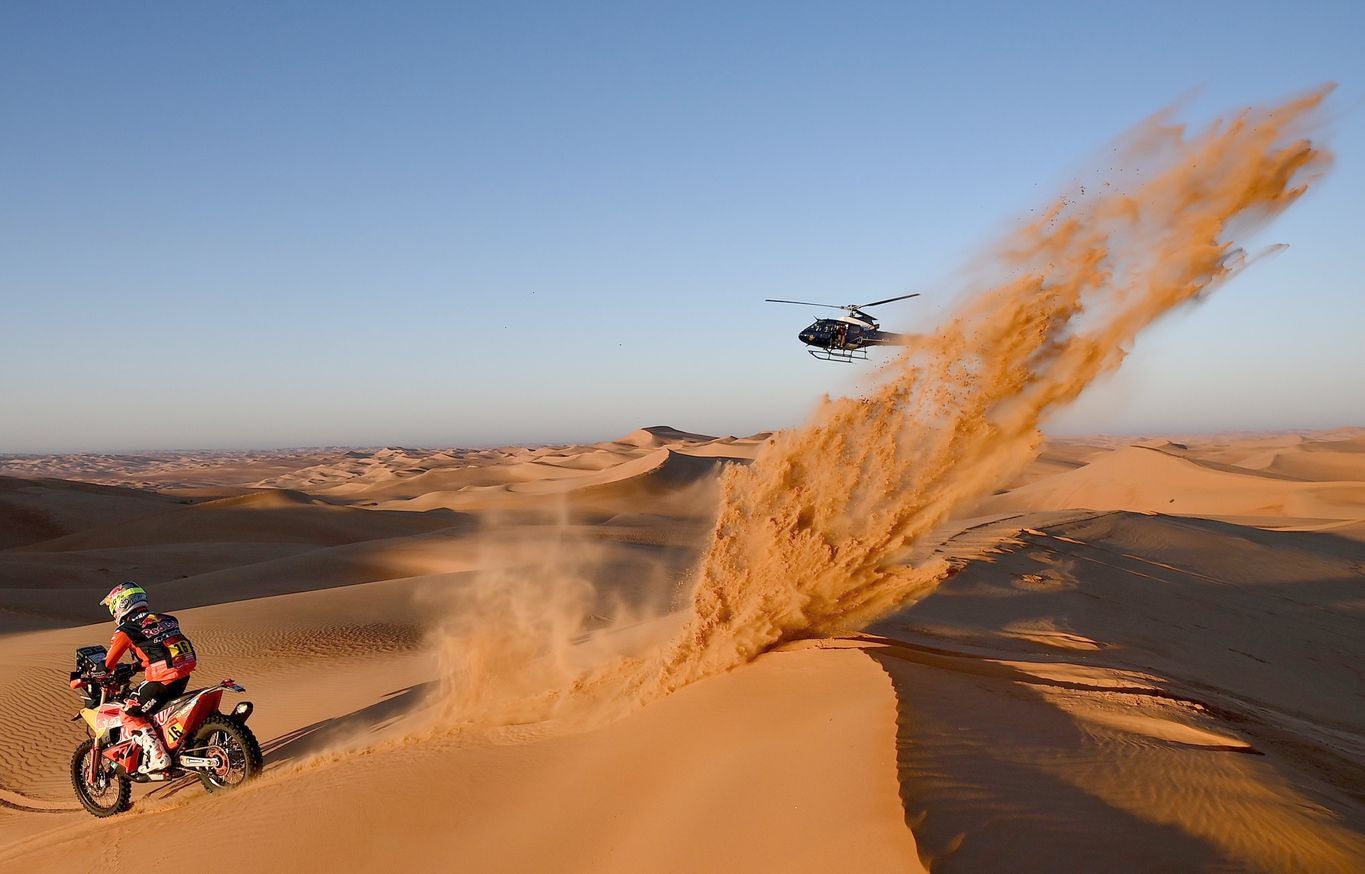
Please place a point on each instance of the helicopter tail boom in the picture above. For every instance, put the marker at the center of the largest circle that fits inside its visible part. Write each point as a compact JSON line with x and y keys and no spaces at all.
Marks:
{"x":886,"y":338}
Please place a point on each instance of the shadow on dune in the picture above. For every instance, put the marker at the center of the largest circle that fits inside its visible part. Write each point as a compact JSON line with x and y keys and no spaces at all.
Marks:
{"x":1259,"y":630}
{"x":1235,"y":615}
{"x":326,"y":733}
{"x":240,"y":553}
{"x":977,"y":761}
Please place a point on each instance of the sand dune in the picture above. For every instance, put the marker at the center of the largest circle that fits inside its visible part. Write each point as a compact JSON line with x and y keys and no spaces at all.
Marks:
{"x":1152,"y":480}
{"x":740,"y":450}
{"x":589,"y":459}
{"x":270,"y":517}
{"x":1318,"y":465}
{"x":166,"y":470}
{"x":655,"y":436}
{"x":607,"y":478}
{"x":692,"y":781}
{"x":1161,"y":647}
{"x":32,"y":511}
{"x":662,"y":469}
{"x":1124,"y":675}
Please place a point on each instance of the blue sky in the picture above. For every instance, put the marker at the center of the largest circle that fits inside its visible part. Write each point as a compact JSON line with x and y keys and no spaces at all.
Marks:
{"x":467,"y":224}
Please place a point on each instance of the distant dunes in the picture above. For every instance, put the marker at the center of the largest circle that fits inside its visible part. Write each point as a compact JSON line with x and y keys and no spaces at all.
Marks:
{"x":1148,"y":659}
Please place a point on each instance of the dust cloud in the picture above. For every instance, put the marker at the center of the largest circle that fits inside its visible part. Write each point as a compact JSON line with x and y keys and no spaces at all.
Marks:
{"x":520,"y":641}
{"x":810,"y":539}
{"x":808,"y":536}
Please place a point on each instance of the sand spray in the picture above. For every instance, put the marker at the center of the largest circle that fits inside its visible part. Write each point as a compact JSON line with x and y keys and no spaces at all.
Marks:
{"x":811,"y":538}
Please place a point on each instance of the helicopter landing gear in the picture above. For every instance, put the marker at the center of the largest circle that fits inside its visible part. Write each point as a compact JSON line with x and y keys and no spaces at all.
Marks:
{"x":843,"y":356}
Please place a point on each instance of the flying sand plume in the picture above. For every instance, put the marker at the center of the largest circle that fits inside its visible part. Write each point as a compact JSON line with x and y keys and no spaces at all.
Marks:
{"x":809,"y":536}
{"x":806,"y":535}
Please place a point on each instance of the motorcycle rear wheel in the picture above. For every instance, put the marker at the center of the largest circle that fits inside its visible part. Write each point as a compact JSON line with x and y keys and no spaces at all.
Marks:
{"x":112,"y":793}
{"x":237,"y":744}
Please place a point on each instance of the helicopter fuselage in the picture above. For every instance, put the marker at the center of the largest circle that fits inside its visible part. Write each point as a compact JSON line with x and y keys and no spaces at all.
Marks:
{"x":845,"y":333}
{"x":846,"y":338}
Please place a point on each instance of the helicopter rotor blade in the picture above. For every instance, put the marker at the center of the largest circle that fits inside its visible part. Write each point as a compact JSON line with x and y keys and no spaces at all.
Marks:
{"x":888,"y":300}
{"x":804,"y":303}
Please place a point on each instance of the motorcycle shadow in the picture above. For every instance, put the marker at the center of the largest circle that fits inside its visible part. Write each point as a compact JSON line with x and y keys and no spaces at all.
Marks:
{"x":326,"y":733}
{"x":323,"y":734}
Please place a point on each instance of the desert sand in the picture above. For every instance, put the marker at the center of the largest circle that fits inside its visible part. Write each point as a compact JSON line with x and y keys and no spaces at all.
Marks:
{"x":907,"y":635}
{"x":1148,"y":659}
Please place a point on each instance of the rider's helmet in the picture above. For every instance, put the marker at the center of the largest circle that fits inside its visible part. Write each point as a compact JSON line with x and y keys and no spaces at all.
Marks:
{"x":123,"y":598}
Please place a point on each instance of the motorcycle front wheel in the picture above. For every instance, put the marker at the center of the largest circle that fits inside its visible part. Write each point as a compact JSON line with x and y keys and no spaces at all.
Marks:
{"x":109,"y":794}
{"x":236,"y":748}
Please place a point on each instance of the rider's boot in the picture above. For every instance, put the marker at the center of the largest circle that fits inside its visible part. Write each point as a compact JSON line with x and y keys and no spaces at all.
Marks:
{"x":145,"y":735}
{"x":154,"y":756}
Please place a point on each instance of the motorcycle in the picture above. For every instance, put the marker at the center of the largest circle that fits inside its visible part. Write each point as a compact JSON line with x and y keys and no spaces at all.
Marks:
{"x":200,"y":739}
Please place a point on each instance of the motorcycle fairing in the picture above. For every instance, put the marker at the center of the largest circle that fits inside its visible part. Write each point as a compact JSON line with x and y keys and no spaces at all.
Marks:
{"x":103,"y":720}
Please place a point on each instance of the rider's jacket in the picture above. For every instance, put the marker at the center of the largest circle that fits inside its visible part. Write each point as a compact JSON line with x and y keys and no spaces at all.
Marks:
{"x":156,"y":639}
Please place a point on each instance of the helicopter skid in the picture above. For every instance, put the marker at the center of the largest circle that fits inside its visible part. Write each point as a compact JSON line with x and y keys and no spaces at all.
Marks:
{"x":843,"y":356}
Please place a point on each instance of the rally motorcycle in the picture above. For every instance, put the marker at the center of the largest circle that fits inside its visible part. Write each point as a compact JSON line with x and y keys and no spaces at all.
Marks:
{"x":217,"y":747}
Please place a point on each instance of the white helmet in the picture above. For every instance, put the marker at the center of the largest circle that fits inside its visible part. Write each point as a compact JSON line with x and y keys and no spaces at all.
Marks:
{"x":124,"y":598}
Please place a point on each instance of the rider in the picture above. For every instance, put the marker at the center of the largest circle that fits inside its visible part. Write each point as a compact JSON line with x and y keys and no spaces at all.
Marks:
{"x":167,"y":658}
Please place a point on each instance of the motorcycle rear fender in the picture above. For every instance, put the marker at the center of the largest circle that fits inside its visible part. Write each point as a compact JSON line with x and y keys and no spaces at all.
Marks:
{"x":189,"y":713}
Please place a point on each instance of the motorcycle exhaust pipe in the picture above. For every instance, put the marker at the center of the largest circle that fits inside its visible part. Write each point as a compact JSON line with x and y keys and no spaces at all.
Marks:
{"x":242,"y":711}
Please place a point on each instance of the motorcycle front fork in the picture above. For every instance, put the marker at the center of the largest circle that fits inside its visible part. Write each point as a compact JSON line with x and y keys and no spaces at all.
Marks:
{"x":92,"y":774}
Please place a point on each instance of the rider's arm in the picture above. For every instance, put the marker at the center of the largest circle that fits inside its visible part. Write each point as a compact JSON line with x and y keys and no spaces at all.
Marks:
{"x":117,"y":648}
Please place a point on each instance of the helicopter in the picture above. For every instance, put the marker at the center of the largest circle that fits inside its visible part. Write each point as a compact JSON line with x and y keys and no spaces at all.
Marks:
{"x":845,"y":339}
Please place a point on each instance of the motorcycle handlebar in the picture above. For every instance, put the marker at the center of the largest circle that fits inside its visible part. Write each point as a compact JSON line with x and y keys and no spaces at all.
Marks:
{"x":114,"y":679}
